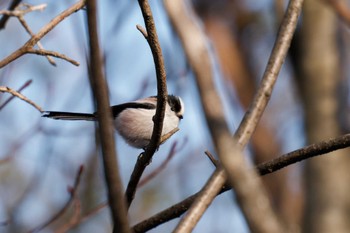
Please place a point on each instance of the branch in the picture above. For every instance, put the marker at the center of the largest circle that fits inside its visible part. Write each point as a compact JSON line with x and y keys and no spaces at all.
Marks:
{"x":30,"y":32}
{"x":145,"y":158}
{"x":61,"y":212}
{"x":47,"y":28}
{"x":243,"y":179}
{"x":53,"y":54}
{"x":26,"y":84}
{"x":19,"y":13}
{"x":4,"y":18}
{"x":19,"y":95}
{"x":106,"y":130}
{"x":162,"y":166}
{"x":265,"y":168}
{"x":341,"y":9}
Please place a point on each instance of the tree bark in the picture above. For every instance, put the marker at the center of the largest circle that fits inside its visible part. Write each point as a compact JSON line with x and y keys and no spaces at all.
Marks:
{"x":327,"y":178}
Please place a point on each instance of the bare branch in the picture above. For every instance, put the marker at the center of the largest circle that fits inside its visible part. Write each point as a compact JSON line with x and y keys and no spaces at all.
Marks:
{"x":212,"y":159}
{"x":52,"y":53}
{"x":19,"y":95}
{"x":243,"y":179}
{"x":74,"y":219}
{"x":18,"y":12}
{"x":30,"y":32}
{"x":265,"y":168}
{"x":26,"y":84}
{"x":162,"y":95}
{"x":47,"y":28}
{"x":4,"y":18}
{"x":341,"y":9}
{"x":161,"y":166}
{"x":63,"y":210}
{"x":142,"y":30}
{"x":105,"y":122}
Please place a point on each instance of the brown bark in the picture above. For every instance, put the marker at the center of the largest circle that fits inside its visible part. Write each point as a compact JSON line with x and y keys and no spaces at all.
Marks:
{"x":326,"y":178}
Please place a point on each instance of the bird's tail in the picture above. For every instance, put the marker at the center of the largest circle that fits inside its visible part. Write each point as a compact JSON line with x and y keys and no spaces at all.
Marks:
{"x":70,"y":116}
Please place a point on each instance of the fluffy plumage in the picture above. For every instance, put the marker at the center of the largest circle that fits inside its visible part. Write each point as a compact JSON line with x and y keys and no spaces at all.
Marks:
{"x":133,"y":120}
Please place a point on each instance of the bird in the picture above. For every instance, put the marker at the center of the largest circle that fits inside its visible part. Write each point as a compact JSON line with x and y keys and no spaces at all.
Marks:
{"x":134,"y":120}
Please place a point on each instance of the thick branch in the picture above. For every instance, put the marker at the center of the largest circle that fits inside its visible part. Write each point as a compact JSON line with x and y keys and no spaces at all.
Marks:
{"x":265,"y":168}
{"x":243,"y":179}
{"x":106,"y":130}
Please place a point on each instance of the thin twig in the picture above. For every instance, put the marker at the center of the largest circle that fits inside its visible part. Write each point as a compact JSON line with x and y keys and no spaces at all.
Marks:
{"x":162,"y":95}
{"x":105,"y":122}
{"x":63,"y":210}
{"x":26,"y":84}
{"x":43,"y":31}
{"x":31,"y":33}
{"x":5,"y":18}
{"x":265,"y":168}
{"x":75,"y":219}
{"x":162,"y":166}
{"x":142,"y":30}
{"x":18,"y":12}
{"x":78,"y":219}
{"x":53,"y":54}
{"x":212,"y":159}
{"x":22,"y":97}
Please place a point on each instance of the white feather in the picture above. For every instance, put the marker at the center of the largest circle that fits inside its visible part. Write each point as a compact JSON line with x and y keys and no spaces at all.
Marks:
{"x":136,"y":125}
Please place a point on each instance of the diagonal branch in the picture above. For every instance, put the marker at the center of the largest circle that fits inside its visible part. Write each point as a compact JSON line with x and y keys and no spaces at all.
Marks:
{"x":19,"y":95}
{"x":43,"y":31}
{"x":265,"y":168}
{"x":243,"y":179}
{"x":26,"y":84}
{"x":145,"y":158}
{"x":73,"y":193}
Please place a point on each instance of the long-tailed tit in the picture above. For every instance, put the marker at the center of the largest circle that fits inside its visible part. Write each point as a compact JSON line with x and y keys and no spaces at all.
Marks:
{"x":133,"y":120}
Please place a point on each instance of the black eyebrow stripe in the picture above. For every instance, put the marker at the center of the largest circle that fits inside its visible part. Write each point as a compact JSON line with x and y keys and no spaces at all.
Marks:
{"x":117,"y":109}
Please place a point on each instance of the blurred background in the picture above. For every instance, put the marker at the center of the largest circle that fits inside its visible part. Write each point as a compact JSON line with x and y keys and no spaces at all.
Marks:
{"x":39,"y":157}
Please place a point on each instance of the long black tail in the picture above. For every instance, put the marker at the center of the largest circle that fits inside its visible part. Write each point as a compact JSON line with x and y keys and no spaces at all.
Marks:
{"x":69,"y":116}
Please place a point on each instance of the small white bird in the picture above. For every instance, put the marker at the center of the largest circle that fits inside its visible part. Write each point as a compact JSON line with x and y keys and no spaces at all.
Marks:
{"x":133,"y":120}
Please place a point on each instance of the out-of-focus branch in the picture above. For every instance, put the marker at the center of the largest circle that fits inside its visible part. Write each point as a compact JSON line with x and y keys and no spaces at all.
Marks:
{"x":341,"y":9}
{"x":73,"y":193}
{"x":162,"y":166}
{"x":5,"y":18}
{"x":19,"y":95}
{"x":243,"y":179}
{"x":145,"y":158}
{"x":19,"y":13}
{"x":28,"y":46}
{"x":265,"y":168}
{"x":26,"y":84}
{"x":105,"y":126}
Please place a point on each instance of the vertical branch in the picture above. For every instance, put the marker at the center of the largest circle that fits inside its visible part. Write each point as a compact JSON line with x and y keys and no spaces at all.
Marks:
{"x":250,"y":193}
{"x":105,"y":126}
{"x":145,"y":158}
